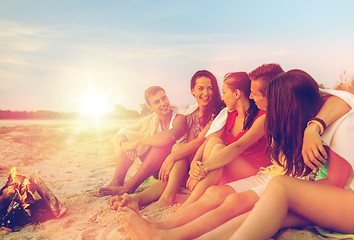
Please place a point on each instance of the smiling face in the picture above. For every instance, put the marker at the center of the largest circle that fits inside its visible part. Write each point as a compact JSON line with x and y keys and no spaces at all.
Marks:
{"x":229,"y":97}
{"x":203,"y":91}
{"x":257,"y":96}
{"x":159,"y":103}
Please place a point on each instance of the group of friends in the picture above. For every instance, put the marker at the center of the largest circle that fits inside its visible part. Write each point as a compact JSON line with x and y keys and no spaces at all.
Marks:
{"x":273,"y":152}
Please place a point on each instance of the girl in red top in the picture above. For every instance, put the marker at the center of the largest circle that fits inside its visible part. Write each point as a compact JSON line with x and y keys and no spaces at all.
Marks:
{"x":255,"y":153}
{"x":236,"y":145}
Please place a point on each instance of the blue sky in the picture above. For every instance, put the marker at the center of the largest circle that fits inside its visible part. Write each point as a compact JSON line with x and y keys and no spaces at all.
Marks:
{"x":54,"y":53}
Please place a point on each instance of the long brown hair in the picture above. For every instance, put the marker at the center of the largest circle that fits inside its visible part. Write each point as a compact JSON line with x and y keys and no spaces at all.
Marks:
{"x":216,"y":104}
{"x":241,"y":81}
{"x":293,"y":99}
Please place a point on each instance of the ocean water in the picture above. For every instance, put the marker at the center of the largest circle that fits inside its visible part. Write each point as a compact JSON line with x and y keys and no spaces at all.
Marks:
{"x":88,"y":123}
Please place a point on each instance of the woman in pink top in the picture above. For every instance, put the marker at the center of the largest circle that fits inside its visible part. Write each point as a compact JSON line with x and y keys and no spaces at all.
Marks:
{"x":235,"y":150}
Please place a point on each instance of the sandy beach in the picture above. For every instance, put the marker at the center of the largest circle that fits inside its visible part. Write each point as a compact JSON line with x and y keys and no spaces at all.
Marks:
{"x":74,"y":159}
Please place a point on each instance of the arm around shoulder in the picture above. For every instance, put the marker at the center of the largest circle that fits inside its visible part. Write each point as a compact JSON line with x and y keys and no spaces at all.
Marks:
{"x":333,"y":108}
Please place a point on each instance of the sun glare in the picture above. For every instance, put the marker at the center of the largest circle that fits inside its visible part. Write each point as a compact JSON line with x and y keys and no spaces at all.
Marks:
{"x":94,"y":105}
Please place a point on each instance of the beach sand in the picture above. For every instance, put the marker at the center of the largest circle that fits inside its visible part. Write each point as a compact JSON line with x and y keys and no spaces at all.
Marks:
{"x":74,"y":159}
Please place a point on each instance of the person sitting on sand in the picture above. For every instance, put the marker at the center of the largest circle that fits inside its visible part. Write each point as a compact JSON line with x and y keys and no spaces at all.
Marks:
{"x":150,"y":139}
{"x":237,"y":146}
{"x":216,"y":208}
{"x":205,"y":89}
{"x":296,"y":202}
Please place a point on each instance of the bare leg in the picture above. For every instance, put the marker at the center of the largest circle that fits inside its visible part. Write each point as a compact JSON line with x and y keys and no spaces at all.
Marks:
{"x":176,"y":177}
{"x":212,"y":198}
{"x":324,"y":205}
{"x":291,"y":220}
{"x":233,"y":205}
{"x":211,"y":179}
{"x":211,"y":148}
{"x":154,"y":192}
{"x":138,"y":228}
{"x":123,"y":163}
{"x":150,"y":194}
{"x":150,"y":165}
{"x":226,"y":230}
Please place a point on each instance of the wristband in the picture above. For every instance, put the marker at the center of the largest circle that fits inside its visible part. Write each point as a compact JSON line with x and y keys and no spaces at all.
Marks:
{"x":320,"y":123}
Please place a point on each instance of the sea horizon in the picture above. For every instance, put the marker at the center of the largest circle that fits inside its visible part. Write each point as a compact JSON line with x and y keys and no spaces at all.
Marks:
{"x":81,"y":122}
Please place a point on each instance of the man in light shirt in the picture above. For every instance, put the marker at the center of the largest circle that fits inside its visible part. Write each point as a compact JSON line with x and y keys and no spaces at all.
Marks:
{"x":150,"y":139}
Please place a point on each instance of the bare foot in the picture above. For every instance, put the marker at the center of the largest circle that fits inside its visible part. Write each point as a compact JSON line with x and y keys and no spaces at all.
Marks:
{"x":128,"y":201}
{"x":161,"y":203}
{"x":112,"y":190}
{"x":137,"y":227}
{"x":115,"y":183}
{"x":115,"y":202}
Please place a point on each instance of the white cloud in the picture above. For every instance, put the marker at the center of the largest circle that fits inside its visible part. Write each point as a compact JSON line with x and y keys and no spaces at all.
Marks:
{"x":23,"y":38}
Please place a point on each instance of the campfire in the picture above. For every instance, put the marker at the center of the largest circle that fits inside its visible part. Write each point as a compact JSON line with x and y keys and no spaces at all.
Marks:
{"x":27,"y":200}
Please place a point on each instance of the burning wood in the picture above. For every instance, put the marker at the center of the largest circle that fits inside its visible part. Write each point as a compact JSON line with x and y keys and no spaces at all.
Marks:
{"x":25,"y":200}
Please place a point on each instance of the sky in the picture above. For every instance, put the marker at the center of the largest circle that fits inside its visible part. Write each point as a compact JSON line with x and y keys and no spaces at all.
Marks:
{"x":54,"y":54}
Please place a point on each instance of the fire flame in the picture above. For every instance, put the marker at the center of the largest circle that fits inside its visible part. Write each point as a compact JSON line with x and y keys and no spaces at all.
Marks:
{"x":15,"y":180}
{"x":35,"y":176}
{"x":23,"y":190}
{"x":27,"y":195}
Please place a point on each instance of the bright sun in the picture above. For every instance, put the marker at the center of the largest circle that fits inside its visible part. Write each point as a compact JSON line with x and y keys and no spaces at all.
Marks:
{"x":94,"y":105}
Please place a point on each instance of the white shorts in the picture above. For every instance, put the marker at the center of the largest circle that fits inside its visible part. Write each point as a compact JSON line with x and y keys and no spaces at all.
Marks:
{"x":255,"y":183}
